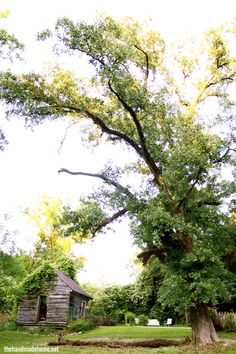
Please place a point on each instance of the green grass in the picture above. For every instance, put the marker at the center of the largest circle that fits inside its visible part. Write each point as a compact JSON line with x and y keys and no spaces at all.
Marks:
{"x":121,"y":332}
{"x":23,"y":339}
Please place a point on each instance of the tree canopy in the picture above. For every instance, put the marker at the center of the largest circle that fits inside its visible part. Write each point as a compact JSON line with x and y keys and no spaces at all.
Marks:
{"x":10,"y":49}
{"x":175,"y":109}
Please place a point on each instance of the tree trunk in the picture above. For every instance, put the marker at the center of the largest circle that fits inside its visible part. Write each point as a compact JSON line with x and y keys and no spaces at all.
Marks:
{"x":203,"y":331}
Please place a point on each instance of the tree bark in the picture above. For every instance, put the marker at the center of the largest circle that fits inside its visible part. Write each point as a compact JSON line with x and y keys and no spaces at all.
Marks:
{"x":203,"y":331}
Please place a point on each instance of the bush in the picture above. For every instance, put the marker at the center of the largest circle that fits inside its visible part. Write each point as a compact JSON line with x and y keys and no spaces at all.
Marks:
{"x":120,"y":316}
{"x":230,"y":325}
{"x":143,"y":320}
{"x":104,"y":321}
{"x":81,"y":325}
{"x":8,"y":326}
{"x":130,"y":319}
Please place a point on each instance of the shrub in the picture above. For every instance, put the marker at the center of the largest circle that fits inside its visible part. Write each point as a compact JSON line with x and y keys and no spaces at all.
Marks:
{"x":103,"y":321}
{"x":230,"y":325}
{"x":8,"y":326}
{"x":143,"y":320}
{"x":130,"y":319}
{"x":109,"y":322}
{"x":81,"y":325}
{"x":120,"y":316}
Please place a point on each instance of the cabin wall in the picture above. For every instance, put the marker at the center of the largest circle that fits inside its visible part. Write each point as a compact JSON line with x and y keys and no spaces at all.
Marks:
{"x":58,"y":300}
{"x":77,"y":310}
{"x":27,"y":311}
{"x":58,"y":304}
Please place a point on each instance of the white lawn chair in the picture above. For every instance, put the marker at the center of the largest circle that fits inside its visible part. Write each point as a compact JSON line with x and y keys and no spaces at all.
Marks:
{"x":168,"y":322}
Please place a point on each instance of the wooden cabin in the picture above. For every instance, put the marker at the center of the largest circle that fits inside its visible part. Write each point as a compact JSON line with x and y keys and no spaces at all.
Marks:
{"x":65,"y":301}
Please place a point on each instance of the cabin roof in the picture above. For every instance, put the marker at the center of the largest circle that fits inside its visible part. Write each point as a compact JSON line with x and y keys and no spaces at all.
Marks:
{"x":72,"y":284}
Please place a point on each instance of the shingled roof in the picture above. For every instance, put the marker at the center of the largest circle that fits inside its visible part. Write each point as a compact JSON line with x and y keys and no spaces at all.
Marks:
{"x":72,"y":284}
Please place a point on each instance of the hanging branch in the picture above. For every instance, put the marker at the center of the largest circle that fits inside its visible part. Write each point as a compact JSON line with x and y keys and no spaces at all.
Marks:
{"x":65,"y":135}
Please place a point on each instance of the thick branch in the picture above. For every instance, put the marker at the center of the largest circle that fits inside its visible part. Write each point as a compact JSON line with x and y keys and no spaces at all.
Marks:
{"x":144,"y":151}
{"x":159,"y":253}
{"x":98,"y":121}
{"x":108,"y":221}
{"x":101,"y":176}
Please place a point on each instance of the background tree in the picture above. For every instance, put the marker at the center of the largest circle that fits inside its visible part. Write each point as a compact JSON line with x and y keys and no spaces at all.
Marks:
{"x":169,"y":108}
{"x":10,"y":48}
{"x":146,"y":297}
{"x":55,"y":243}
{"x":113,"y":302}
{"x":11,"y":273}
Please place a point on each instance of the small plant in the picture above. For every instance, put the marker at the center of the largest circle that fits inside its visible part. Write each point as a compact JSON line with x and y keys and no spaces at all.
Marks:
{"x":130,"y":319}
{"x":142,"y":320}
{"x":81,"y":325}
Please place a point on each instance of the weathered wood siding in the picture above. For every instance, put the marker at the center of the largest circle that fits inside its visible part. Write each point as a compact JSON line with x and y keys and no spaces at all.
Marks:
{"x":75,"y":306}
{"x":58,"y":304}
{"x":27,"y":311}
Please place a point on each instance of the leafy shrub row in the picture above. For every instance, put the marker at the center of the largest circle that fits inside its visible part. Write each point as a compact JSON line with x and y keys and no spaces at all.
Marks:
{"x":82,"y":325}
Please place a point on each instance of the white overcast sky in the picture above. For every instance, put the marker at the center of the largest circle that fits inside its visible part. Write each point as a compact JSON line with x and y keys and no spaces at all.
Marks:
{"x":30,"y":162}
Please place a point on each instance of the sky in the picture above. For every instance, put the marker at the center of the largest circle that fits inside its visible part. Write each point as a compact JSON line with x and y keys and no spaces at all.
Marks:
{"x":30,"y":162}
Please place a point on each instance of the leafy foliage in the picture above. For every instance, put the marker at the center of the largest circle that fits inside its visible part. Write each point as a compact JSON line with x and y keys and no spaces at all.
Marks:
{"x":113,"y":302}
{"x":55,"y":243}
{"x":11,"y":272}
{"x":67,"y":266}
{"x":39,"y":281}
{"x":82,"y":325}
{"x":130,"y":319}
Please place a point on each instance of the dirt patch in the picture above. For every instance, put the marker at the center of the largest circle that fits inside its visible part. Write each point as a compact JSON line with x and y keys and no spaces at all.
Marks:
{"x":150,"y":343}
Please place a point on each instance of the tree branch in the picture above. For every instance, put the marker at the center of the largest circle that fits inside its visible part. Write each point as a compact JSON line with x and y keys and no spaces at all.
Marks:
{"x":144,"y":153}
{"x":226,"y":78}
{"x":98,"y":121}
{"x":101,"y":176}
{"x":200,"y":170}
{"x":147,"y":63}
{"x":65,"y":135}
{"x":109,"y":220}
{"x":220,"y":159}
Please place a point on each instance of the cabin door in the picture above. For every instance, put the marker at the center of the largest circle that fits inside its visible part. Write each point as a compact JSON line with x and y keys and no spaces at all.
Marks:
{"x":42,"y":308}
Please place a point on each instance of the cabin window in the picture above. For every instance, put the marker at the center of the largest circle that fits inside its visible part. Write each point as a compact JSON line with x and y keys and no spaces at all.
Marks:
{"x":82,"y":308}
{"x":42,"y":308}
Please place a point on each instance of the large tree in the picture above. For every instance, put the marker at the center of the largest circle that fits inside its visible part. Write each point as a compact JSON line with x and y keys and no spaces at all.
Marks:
{"x":175,"y":110}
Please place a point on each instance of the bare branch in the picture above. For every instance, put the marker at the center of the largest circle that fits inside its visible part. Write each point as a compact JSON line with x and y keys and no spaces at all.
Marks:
{"x":108,"y":221}
{"x":101,"y":176}
{"x":65,"y":135}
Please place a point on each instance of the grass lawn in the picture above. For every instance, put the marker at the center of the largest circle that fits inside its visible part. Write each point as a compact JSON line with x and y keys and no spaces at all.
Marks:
{"x":23,"y":339}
